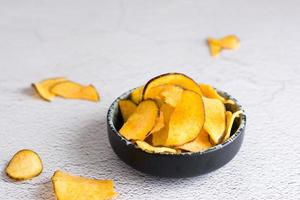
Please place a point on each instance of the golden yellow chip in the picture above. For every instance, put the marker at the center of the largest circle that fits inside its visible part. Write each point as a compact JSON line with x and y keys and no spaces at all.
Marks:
{"x":209,"y":92}
{"x":72,"y":90}
{"x":43,"y":87}
{"x":159,"y":124}
{"x":141,"y":122}
{"x":229,"y":122}
{"x":215,"y":120}
{"x":137,"y":94}
{"x":230,"y":42}
{"x":127,"y":107}
{"x":214,"y":47}
{"x":201,"y":143}
{"x":24,"y":165}
{"x":70,"y":187}
{"x":168,"y":93}
{"x":151,"y":149}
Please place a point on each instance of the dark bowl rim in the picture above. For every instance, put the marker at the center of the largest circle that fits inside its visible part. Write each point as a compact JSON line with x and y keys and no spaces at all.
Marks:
{"x":233,"y":137}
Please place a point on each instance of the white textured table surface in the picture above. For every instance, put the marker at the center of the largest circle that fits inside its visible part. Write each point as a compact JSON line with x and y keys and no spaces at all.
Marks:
{"x":117,"y":45}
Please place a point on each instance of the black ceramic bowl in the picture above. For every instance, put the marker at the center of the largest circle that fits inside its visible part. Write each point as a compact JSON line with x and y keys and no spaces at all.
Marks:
{"x":174,"y":165}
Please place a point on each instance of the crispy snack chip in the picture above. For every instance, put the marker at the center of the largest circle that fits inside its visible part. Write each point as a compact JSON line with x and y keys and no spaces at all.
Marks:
{"x":127,"y":107}
{"x":141,"y":122}
{"x":229,"y":122}
{"x":43,"y":87}
{"x":227,"y":42}
{"x":159,"y":123}
{"x":151,"y":149}
{"x":215,"y":121}
{"x":137,"y":95}
{"x":177,"y":79}
{"x":209,"y":92}
{"x":201,"y":143}
{"x":24,"y":165}
{"x":69,"y":187}
{"x":72,"y":90}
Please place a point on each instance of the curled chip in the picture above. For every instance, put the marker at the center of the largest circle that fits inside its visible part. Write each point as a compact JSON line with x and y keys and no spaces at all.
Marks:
{"x":151,"y":149}
{"x":227,"y":42}
{"x":72,"y":90}
{"x":137,"y":94}
{"x":215,"y":121}
{"x":159,"y":123}
{"x":229,"y":122}
{"x":209,"y":92}
{"x":70,"y":187}
{"x":24,"y":165}
{"x":168,"y":93}
{"x":43,"y":87}
{"x":177,"y":79}
{"x":127,"y":107}
{"x":141,"y":122}
{"x":201,"y":143}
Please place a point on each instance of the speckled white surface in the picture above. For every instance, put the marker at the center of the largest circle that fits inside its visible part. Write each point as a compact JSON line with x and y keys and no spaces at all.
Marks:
{"x":117,"y":45}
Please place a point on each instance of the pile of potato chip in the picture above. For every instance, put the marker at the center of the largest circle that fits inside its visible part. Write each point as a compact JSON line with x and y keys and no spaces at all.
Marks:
{"x":62,"y":87}
{"x":171,"y":114}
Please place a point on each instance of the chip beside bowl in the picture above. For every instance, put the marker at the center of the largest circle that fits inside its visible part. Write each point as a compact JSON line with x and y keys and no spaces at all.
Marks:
{"x":185,"y":164}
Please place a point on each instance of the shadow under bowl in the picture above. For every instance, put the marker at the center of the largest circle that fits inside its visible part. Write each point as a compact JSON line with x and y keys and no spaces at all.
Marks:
{"x":175,"y":165}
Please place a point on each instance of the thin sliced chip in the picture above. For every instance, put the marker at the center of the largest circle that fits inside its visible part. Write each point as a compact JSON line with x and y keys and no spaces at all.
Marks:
{"x":229,"y":122}
{"x":229,"y":101}
{"x":43,"y":87}
{"x":70,"y":187}
{"x":229,"y":42}
{"x":209,"y":92}
{"x":24,"y":165}
{"x":160,"y":137}
{"x":127,"y":107}
{"x":215,"y":121}
{"x":151,"y":149}
{"x":214,"y":47}
{"x":168,"y":93}
{"x":159,"y":123}
{"x":201,"y":143}
{"x":178,"y":79}
{"x":141,"y":122}
{"x":137,"y":94}
{"x":72,"y":90}
{"x":186,"y":120}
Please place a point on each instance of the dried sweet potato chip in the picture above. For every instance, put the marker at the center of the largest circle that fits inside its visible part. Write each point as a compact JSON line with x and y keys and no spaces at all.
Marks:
{"x":229,"y":122}
{"x":127,"y":107}
{"x":24,"y":165}
{"x":137,"y":94}
{"x":168,"y":93}
{"x":178,"y":79}
{"x":141,"y":122}
{"x":70,"y":187}
{"x":43,"y":87}
{"x":186,"y":120}
{"x":160,"y":137}
{"x":209,"y":92}
{"x":72,"y":90}
{"x":201,"y":143}
{"x":215,"y":121}
{"x":227,"y":42}
{"x":151,"y":149}
{"x":159,"y":123}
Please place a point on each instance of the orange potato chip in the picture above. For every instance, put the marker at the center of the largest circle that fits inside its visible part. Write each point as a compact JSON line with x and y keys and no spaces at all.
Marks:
{"x":72,"y":90}
{"x":159,"y":124}
{"x":227,"y":42}
{"x":43,"y":87}
{"x":215,"y":120}
{"x":229,"y":122}
{"x":141,"y":122}
{"x":127,"y":107}
{"x":201,"y":143}
{"x":137,"y":94}
{"x":151,"y":149}
{"x":209,"y":92}
{"x":70,"y":187}
{"x":24,"y":165}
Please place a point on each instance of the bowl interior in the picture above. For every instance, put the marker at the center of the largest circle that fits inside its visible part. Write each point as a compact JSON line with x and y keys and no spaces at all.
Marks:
{"x":115,"y":121}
